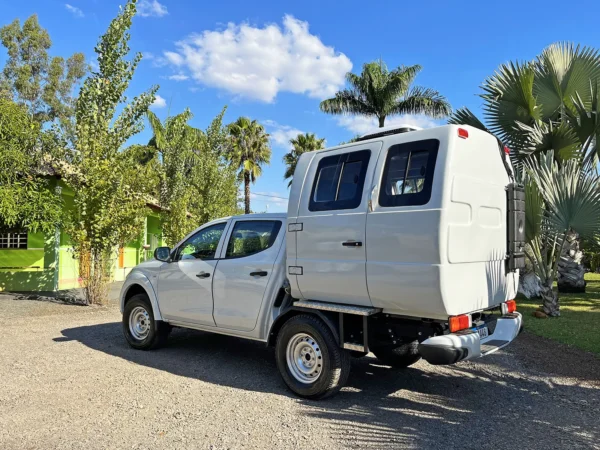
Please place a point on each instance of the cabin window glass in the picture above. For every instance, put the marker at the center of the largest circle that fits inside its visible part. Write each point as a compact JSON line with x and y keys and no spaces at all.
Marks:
{"x":203,"y":244}
{"x":14,"y":240}
{"x":339,"y":181}
{"x":252,"y":236}
{"x":408,"y":173}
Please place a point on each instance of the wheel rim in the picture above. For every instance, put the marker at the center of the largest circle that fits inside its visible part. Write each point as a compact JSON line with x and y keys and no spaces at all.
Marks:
{"x":139,"y":323}
{"x":304,"y":358}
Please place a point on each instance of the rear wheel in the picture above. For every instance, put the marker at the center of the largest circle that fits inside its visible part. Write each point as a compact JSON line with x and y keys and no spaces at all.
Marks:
{"x":141,"y":331}
{"x":403,"y":356}
{"x":309,"y":359}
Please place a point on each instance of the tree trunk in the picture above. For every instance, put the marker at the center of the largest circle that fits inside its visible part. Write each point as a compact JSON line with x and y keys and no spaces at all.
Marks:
{"x":570,"y":270}
{"x":247,"y":192}
{"x":550,"y":304}
{"x":381,"y":121}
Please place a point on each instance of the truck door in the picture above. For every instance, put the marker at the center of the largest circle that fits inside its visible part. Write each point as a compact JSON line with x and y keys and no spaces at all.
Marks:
{"x":330,"y":241}
{"x":244,"y":271}
{"x":185,"y":284}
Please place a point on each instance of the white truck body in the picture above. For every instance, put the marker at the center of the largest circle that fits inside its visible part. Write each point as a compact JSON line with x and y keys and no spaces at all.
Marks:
{"x":438,"y":259}
{"x":404,"y":230}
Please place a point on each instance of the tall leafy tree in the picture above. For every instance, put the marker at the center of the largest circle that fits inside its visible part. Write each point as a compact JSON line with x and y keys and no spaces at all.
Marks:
{"x":195,"y":182}
{"x":306,"y":142}
{"x":550,"y":103}
{"x":249,"y":151}
{"x":27,"y":199}
{"x":31,"y":77}
{"x":109,"y":197}
{"x":378,"y":92}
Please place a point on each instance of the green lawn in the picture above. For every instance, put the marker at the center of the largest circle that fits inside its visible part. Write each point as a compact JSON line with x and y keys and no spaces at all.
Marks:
{"x":579,"y":321}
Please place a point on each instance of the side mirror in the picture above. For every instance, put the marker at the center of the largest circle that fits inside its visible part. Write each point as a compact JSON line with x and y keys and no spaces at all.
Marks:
{"x":162,"y":253}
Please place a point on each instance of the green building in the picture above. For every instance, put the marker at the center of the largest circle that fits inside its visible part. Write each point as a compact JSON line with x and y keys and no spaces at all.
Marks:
{"x":38,"y":262}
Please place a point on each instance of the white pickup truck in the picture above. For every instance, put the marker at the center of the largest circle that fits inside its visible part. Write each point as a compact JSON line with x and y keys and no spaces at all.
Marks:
{"x":407,"y":243}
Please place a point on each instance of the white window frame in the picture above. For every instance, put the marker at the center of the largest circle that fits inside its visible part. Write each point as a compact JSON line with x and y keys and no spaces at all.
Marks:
{"x":13,"y":240}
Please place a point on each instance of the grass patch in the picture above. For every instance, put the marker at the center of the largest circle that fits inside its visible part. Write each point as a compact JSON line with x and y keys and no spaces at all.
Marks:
{"x":579,"y":321}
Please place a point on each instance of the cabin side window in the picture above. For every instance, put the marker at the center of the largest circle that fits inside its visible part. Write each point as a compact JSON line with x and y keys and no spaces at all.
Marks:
{"x":339,"y":181}
{"x":408,"y":173}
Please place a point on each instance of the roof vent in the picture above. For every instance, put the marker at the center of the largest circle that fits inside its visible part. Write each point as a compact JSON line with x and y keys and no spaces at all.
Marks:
{"x":388,"y":131}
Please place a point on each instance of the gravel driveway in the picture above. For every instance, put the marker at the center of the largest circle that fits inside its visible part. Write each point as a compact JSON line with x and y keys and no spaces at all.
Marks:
{"x":69,"y":381}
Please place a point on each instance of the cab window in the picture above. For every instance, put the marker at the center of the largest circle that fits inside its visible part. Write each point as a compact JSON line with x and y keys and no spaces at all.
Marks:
{"x":252,"y":236}
{"x":203,"y":244}
{"x":408,"y":173}
{"x":339,"y":181}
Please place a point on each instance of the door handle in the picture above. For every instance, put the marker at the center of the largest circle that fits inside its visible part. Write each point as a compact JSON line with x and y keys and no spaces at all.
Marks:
{"x":203,"y":275}
{"x":260,"y":273}
{"x":352,"y":244}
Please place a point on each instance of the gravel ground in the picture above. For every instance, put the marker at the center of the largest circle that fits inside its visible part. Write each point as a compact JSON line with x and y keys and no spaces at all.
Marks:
{"x":68,"y":380}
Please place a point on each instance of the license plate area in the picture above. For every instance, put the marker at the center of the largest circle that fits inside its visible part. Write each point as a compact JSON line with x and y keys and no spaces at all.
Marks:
{"x":483,"y":331}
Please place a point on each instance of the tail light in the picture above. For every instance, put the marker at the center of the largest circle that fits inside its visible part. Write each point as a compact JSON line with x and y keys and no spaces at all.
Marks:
{"x":461,"y":322}
{"x":462,"y":133}
{"x":509,"y":307}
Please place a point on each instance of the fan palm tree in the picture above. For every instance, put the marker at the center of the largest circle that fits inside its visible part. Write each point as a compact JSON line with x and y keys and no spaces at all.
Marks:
{"x":550,"y":103}
{"x":302,"y":143}
{"x":249,"y":152}
{"x":558,"y":199}
{"x":379,"y":93}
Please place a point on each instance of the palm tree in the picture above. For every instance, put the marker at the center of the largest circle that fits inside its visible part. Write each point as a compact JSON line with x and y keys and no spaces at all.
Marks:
{"x":558,"y":199}
{"x":379,"y":93}
{"x":302,"y":143}
{"x":550,"y":103}
{"x":249,"y":151}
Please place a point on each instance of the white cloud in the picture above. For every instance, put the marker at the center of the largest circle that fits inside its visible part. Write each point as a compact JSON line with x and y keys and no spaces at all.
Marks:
{"x":148,"y":56}
{"x":178,"y":77}
{"x":281,"y":134}
{"x":151,"y":8}
{"x":74,"y":10}
{"x":361,"y":124}
{"x":258,"y":63}
{"x":174,"y":58}
{"x":159,"y":102}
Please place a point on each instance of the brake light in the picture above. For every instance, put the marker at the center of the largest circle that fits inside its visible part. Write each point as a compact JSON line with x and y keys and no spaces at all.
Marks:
{"x":509,"y":307}
{"x":462,"y":133}
{"x":461,"y":322}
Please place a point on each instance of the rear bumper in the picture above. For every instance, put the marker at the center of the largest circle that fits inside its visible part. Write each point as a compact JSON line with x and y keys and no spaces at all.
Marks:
{"x":466,"y":344}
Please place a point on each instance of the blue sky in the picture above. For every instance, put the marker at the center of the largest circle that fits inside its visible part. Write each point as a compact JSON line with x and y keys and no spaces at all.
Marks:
{"x":274,"y":61}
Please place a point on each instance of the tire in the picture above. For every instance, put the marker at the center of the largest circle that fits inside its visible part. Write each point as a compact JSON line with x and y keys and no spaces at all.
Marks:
{"x":304,"y":335}
{"x":399,"y":357}
{"x":150,"y":333}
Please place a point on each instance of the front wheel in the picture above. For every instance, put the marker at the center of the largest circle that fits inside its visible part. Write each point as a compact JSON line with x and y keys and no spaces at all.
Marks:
{"x":403,"y":356}
{"x":141,"y":331}
{"x":309,"y":359}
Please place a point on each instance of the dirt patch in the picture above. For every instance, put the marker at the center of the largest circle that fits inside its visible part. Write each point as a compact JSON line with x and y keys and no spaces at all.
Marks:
{"x":70,"y":381}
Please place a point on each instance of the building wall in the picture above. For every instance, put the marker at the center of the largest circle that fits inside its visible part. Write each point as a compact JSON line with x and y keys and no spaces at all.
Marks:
{"x":30,"y":269}
{"x":48,"y":265}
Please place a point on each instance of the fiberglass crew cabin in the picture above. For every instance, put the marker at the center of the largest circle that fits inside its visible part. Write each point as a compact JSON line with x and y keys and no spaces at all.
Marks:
{"x":412,"y":222}
{"x":406,"y":244}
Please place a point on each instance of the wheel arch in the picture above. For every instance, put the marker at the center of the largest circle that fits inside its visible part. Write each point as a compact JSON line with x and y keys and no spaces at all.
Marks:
{"x":330,"y":319}
{"x":138,"y":283}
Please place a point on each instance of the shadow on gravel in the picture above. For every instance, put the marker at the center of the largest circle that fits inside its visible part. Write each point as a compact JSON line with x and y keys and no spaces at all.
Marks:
{"x":464,"y":406}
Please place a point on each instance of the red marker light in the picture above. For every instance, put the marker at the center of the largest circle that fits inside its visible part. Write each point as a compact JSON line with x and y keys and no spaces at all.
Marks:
{"x":506,"y":150}
{"x":462,"y":133}
{"x":458,"y":323}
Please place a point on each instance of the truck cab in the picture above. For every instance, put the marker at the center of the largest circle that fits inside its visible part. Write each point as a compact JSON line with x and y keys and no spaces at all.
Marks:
{"x":407,"y":243}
